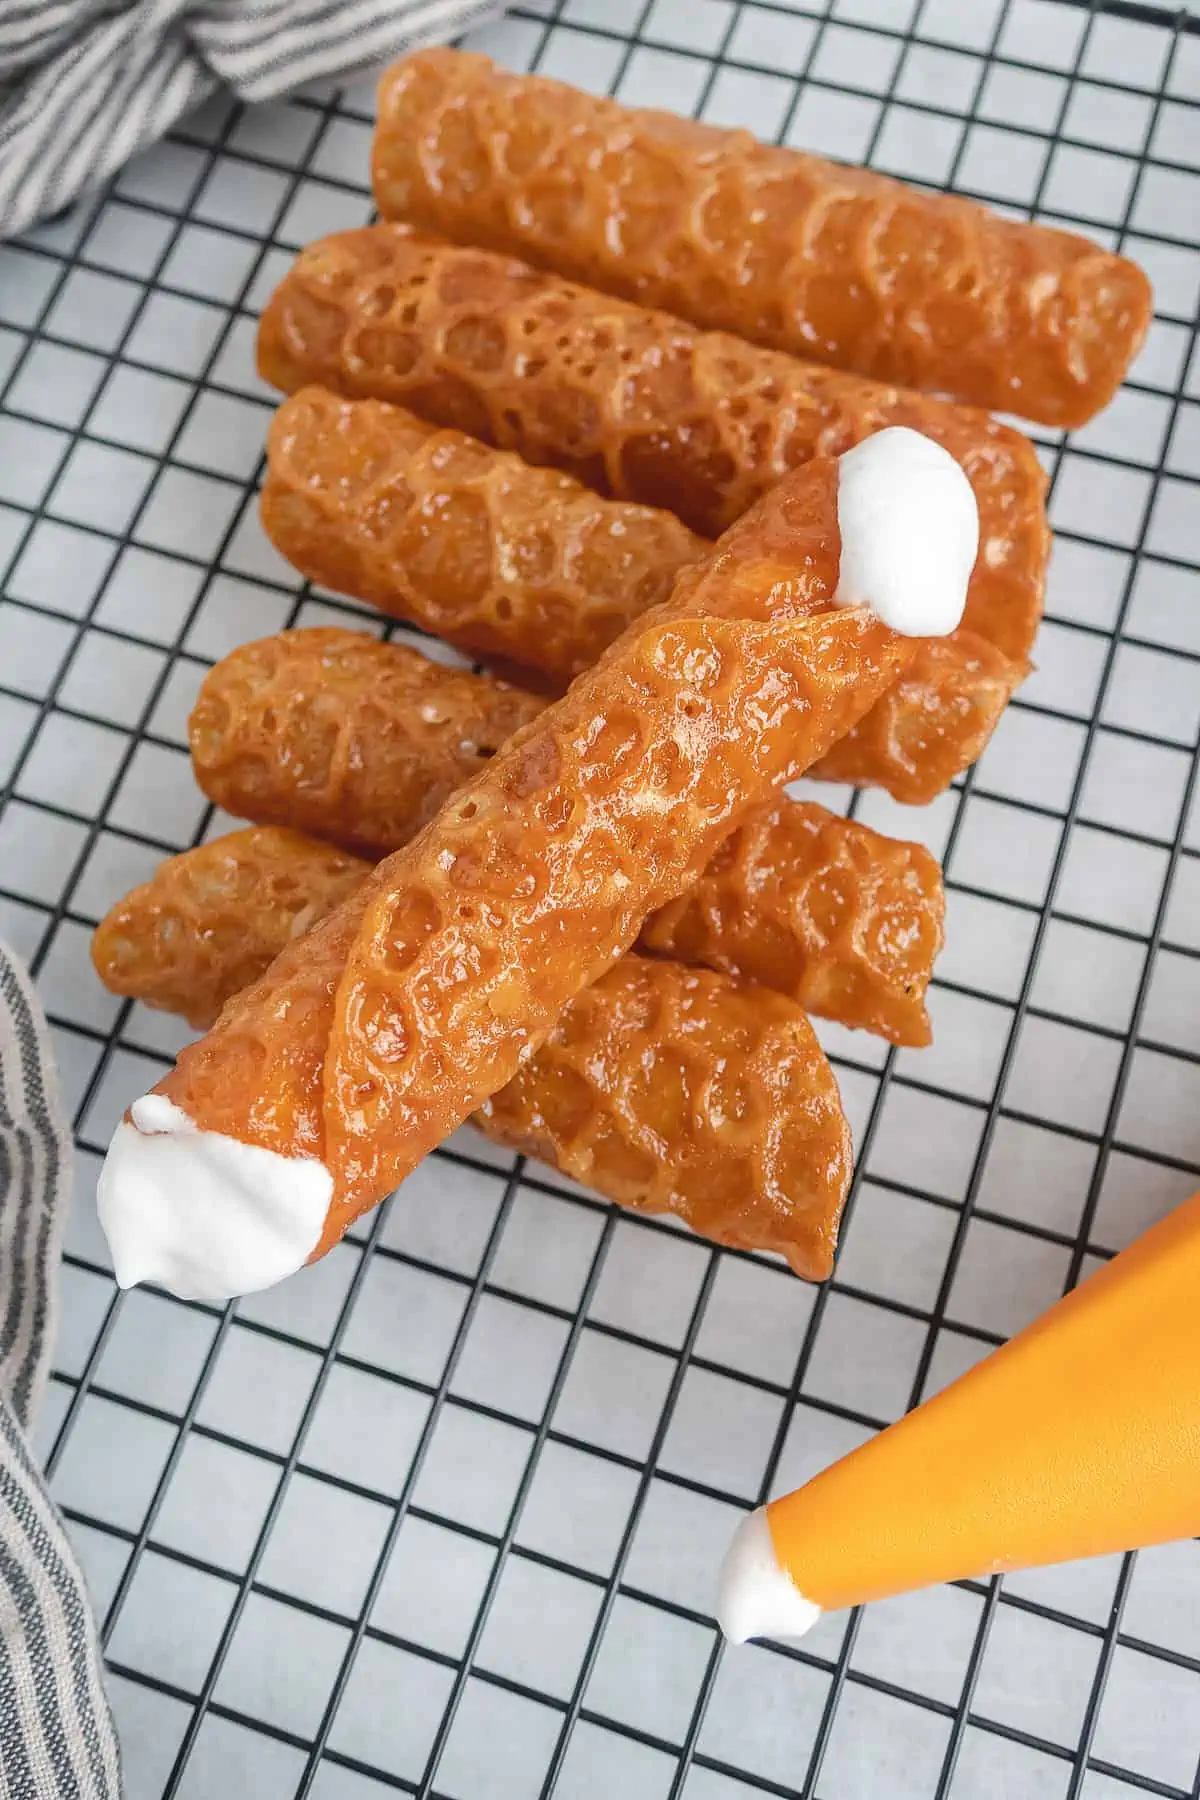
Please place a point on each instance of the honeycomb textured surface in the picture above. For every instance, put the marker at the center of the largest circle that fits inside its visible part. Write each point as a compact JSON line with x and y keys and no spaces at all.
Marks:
{"x":841,"y":265}
{"x":764,"y":908}
{"x":841,"y":919}
{"x":665,"y":1089}
{"x":823,"y":909}
{"x":526,"y":566}
{"x":539,"y":873}
{"x":331,"y":732}
{"x":933,"y":723}
{"x":633,"y":403}
{"x":208,"y":922}
{"x":455,"y":959}
{"x":257,"y":1074}
{"x":676,"y":1090}
{"x":503,"y":560}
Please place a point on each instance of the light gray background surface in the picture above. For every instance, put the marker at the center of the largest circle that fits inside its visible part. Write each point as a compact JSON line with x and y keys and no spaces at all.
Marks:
{"x":449,"y":1505}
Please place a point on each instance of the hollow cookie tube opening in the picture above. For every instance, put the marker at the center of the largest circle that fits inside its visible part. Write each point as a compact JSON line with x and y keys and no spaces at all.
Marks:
{"x":347,"y":1062}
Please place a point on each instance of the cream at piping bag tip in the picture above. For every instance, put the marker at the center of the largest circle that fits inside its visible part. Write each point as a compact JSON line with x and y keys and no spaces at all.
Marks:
{"x":756,"y":1597}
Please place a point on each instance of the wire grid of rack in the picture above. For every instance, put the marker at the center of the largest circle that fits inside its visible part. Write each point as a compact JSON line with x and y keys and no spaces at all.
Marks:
{"x":441,"y":1515}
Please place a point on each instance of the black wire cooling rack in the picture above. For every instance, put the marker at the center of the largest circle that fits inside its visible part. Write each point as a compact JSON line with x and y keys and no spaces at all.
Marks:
{"x":441,"y":1516}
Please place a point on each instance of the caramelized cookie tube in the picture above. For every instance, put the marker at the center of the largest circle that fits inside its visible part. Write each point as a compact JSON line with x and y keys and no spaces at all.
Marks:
{"x":213,"y":919}
{"x":666,"y":1089}
{"x":526,"y":565}
{"x":835,"y":915}
{"x":932,"y":723}
{"x":831,"y":914}
{"x":633,"y":403}
{"x":841,"y":919}
{"x":677,"y":1090}
{"x":370,"y":1039}
{"x":499,"y":558}
{"x":329,"y":731}
{"x":839,"y":264}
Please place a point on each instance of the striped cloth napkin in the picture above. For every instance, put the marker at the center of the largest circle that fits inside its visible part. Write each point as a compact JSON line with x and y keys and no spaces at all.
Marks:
{"x":86,"y":84}
{"x":56,"y":1732}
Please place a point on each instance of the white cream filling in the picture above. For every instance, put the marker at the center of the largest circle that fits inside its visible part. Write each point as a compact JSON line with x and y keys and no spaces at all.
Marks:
{"x":201,"y":1213}
{"x":909,"y":525}
{"x":756,"y":1597}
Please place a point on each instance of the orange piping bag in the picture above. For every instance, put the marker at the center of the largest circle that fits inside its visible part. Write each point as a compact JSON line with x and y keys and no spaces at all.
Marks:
{"x":1078,"y":1438}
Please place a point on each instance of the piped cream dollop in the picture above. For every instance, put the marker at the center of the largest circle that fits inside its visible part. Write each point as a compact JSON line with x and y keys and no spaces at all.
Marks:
{"x":909,"y":525}
{"x":202,"y":1214}
{"x":756,"y":1597}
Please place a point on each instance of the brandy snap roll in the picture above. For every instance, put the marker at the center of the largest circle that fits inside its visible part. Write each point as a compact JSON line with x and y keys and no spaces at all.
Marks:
{"x":528,"y":566}
{"x":502,"y":559}
{"x":677,"y":1090}
{"x":332,"y":732}
{"x":838,"y":264}
{"x":932,"y":723}
{"x":666,"y":1089}
{"x":631,"y":402}
{"x":836,"y":916}
{"x":212,"y":920}
{"x":369,"y":1039}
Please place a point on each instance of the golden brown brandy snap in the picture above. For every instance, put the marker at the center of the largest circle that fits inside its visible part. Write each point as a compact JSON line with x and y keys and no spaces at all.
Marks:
{"x":677,"y":1090}
{"x":666,"y":1089}
{"x":528,"y":566}
{"x":838,"y":917}
{"x":841,"y":265}
{"x":372,"y":1037}
{"x":497,"y":557}
{"x":212,"y":920}
{"x":329,"y":731}
{"x":468,"y":542}
{"x":633,"y":403}
{"x":430,"y":987}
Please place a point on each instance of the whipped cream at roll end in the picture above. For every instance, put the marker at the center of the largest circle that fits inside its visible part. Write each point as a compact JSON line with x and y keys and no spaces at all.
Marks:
{"x":202,"y":1214}
{"x":909,"y":525}
{"x":756,"y":1597}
